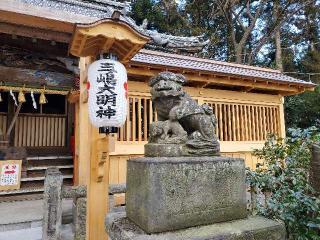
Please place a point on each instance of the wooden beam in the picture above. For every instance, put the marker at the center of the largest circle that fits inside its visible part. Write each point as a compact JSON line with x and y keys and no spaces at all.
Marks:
{"x":32,"y":32}
{"x":142,"y":89}
{"x":74,"y":96}
{"x":217,"y":79}
{"x":33,"y":78}
{"x":35,"y":21}
{"x":107,"y":45}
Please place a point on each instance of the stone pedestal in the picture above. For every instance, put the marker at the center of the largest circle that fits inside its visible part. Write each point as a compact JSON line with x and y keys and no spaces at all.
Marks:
{"x":166,"y":194}
{"x":119,"y":227}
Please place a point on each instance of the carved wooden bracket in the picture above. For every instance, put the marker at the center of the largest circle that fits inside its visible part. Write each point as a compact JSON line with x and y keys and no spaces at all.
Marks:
{"x":104,"y":144}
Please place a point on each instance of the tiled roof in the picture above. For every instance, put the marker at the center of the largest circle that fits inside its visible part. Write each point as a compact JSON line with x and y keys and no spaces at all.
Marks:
{"x":87,"y":12}
{"x":211,"y":66}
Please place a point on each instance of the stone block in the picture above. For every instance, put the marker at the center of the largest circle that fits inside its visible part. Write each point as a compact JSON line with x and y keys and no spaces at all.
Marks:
{"x":119,"y":227}
{"x":165,"y":194}
{"x":80,"y":215}
{"x":164,"y":150}
{"x":52,"y":204}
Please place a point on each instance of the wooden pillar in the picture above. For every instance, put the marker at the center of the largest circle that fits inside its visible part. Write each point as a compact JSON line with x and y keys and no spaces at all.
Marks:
{"x":76,"y":145}
{"x":93,"y":162}
{"x":282,"y":122}
{"x":84,"y":126}
{"x":97,"y":188}
{"x":93,"y":148}
{"x":10,"y":118}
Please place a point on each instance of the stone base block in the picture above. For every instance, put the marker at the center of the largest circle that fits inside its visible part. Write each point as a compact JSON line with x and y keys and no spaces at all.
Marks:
{"x":164,"y":150}
{"x":119,"y":227}
{"x":165,"y":194}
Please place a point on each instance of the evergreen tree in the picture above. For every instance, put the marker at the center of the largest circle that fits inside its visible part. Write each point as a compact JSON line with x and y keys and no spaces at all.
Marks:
{"x":287,"y":31}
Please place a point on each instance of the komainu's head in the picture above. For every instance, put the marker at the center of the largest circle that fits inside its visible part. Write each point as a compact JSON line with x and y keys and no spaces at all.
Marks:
{"x":167,"y":84}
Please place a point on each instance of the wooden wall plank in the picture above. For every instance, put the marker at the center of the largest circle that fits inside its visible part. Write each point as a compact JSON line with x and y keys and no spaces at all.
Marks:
{"x":220,"y":120}
{"x":145,"y":120}
{"x":139,"y":123}
{"x":128,"y":121}
{"x":122,"y":169}
{"x":133,"y":126}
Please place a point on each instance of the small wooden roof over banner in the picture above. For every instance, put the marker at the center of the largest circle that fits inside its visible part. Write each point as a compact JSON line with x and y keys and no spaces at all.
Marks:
{"x":107,"y":36}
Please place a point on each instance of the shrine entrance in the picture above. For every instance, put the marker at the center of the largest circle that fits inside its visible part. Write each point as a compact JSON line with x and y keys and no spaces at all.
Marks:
{"x":35,"y":116}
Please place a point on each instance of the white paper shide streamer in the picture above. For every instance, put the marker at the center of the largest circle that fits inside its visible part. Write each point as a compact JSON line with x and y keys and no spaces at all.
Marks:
{"x":34,"y":103}
{"x":107,"y":93}
{"x":14,"y":98}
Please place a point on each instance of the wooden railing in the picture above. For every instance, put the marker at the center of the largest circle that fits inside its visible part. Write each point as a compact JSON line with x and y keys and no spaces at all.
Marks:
{"x":245,"y":122}
{"x":140,"y":115}
{"x":235,"y":122}
{"x":32,"y":130}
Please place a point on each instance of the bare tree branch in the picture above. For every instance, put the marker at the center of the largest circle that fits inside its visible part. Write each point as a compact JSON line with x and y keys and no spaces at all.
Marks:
{"x":278,"y":23}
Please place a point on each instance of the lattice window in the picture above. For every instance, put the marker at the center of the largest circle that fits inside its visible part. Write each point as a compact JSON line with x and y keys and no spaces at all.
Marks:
{"x":245,"y":122}
{"x":235,"y":122}
{"x":140,"y":115}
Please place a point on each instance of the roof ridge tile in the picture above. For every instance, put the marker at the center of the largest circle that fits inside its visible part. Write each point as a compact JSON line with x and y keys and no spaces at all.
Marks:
{"x":174,"y":55}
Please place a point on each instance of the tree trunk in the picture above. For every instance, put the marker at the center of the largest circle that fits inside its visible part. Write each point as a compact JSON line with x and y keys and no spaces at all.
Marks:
{"x":279,"y":63}
{"x":238,"y":53}
{"x":277,"y":37}
{"x":312,"y":28}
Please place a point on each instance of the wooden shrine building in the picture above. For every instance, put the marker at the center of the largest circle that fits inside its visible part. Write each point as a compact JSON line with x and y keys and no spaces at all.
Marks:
{"x":37,"y":54}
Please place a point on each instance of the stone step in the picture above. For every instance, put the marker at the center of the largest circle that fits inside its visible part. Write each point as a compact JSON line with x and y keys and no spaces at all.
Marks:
{"x":28,"y":187}
{"x":21,"y":191}
{"x":32,"y":168}
{"x":35,"y":233}
{"x":45,"y":163}
{"x":33,"y":177}
{"x":42,"y":178}
{"x":48,"y":157}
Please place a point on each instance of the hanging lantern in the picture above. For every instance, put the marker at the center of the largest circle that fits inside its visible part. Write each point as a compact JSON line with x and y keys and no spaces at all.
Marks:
{"x":107,"y":101}
{"x":42,"y":99}
{"x":21,"y":97}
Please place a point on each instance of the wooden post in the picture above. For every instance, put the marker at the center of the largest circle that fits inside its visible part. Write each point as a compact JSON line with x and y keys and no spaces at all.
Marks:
{"x":282,"y":124}
{"x":92,"y":150}
{"x":84,"y":126}
{"x":98,"y":183}
{"x":93,"y":162}
{"x":76,"y":145}
{"x":10,"y":116}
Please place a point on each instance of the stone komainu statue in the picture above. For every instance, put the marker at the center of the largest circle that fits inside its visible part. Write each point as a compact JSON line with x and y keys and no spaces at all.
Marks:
{"x":181,"y":120}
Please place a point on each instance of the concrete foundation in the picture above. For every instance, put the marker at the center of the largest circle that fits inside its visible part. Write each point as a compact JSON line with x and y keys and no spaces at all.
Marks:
{"x":171,"y":193}
{"x":119,"y":227}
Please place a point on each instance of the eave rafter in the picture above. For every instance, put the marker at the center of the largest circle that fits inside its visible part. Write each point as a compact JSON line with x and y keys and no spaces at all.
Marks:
{"x":205,"y":79}
{"x":104,"y":36}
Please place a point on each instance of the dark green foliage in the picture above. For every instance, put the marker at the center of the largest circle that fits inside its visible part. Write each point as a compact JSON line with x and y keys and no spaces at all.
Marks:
{"x":303,"y":110}
{"x":311,"y":64}
{"x":285,"y":176}
{"x":163,"y":16}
